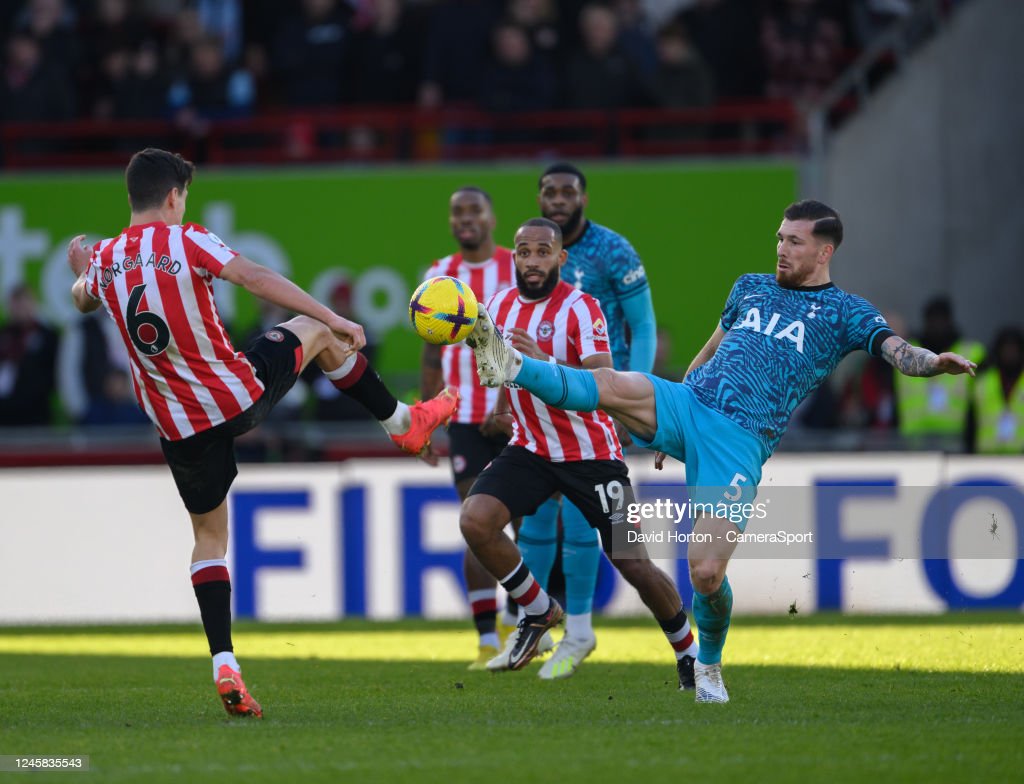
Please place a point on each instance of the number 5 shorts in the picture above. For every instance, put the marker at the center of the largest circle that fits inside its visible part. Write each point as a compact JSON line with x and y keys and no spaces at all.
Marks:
{"x":203,"y":465}
{"x":723,"y":459}
{"x":600,"y":489}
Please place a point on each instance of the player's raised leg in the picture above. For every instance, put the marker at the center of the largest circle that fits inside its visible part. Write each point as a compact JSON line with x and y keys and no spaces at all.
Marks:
{"x":712,"y":601}
{"x":410,"y":427}
{"x":629,"y":397}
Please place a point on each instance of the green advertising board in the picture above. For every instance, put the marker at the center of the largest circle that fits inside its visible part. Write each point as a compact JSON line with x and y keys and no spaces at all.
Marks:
{"x":696,"y":227}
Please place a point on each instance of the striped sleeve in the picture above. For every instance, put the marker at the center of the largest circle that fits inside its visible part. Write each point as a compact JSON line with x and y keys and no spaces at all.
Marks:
{"x":588,"y":329}
{"x":92,"y":272}
{"x":206,"y":250}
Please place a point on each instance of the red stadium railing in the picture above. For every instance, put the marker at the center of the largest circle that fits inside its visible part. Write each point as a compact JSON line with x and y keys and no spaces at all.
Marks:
{"x":409,"y":134}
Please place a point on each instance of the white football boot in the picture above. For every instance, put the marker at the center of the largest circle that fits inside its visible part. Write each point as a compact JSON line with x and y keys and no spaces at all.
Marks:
{"x":710,"y":687}
{"x":495,"y":359}
{"x":568,"y":657}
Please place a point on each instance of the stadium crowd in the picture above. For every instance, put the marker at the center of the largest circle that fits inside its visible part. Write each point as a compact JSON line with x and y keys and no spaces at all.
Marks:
{"x":198,"y":60}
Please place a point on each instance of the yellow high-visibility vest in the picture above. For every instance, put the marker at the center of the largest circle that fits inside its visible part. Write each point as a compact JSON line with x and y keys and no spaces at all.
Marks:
{"x":937,"y":405}
{"x":1000,"y":421}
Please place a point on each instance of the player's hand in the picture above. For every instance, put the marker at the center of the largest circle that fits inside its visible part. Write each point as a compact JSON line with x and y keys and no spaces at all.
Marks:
{"x":78,"y":256}
{"x":659,"y":460}
{"x":497,"y":422}
{"x":522,"y":342}
{"x":348,"y":331}
{"x":954,"y":364}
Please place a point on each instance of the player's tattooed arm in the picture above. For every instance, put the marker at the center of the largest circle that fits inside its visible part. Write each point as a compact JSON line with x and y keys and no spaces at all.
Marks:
{"x":915,"y":361}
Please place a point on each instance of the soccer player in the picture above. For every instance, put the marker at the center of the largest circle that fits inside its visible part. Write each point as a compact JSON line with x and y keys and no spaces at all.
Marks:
{"x":576,"y":454}
{"x":779,"y":337}
{"x":155,"y":280}
{"x":477,"y":433}
{"x":603,"y":264}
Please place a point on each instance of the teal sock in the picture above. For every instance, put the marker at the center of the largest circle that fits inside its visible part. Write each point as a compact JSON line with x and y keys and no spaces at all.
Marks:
{"x":581,"y":557}
{"x":572,"y":389}
{"x":712,"y":613}
{"x":538,"y":541}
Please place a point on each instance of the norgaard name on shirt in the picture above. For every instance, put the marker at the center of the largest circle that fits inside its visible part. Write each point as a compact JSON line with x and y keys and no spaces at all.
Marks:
{"x":165,"y":264}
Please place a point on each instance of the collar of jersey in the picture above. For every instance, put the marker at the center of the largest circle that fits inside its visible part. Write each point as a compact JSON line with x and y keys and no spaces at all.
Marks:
{"x":139,"y":226}
{"x":820,"y":287}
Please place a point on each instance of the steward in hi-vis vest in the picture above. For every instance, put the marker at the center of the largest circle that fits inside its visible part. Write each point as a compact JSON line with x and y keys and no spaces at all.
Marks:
{"x":999,"y":397}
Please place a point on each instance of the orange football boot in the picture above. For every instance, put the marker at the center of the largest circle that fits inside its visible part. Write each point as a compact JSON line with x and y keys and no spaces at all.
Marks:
{"x":427,"y":417}
{"x":236,"y":698}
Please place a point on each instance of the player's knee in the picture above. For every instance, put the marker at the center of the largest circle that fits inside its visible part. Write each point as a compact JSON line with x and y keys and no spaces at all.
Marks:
{"x":478,"y":520}
{"x":706,"y":575}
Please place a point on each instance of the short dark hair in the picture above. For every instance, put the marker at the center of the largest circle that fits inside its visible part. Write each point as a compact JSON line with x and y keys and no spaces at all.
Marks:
{"x":563,"y":168}
{"x":826,"y":220}
{"x":152,"y":174}
{"x":474,"y":189}
{"x":544,"y":223}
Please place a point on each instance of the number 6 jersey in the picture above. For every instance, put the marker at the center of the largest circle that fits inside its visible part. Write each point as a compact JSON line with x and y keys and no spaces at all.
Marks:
{"x":156,"y":282}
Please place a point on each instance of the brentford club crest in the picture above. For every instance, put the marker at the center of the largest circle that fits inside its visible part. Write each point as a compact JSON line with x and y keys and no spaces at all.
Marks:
{"x":275,"y":335}
{"x":545,"y":330}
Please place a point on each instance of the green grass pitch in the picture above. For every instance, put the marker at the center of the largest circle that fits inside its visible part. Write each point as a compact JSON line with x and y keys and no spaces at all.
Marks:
{"x":814,"y":698}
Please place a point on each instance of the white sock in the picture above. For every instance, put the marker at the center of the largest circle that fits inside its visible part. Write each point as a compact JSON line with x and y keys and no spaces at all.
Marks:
{"x":489,"y":638}
{"x":579,"y":626}
{"x":399,"y":422}
{"x":344,"y":369}
{"x":222,"y":658}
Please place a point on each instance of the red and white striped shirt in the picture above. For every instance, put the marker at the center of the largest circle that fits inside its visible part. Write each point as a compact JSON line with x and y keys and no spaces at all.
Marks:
{"x":458,"y":365}
{"x":569,"y":326}
{"x":156,"y":282}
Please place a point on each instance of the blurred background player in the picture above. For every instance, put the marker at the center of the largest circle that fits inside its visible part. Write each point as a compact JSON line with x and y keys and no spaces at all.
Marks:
{"x":156,"y":281}
{"x":555,"y":450}
{"x":476,"y":434}
{"x":603,"y":264}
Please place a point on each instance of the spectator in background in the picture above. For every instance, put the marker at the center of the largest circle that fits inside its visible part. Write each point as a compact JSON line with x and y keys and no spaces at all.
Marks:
{"x":868,"y":394}
{"x":114,"y":27}
{"x":385,"y":55}
{"x":116,"y":403}
{"x":600,"y":75}
{"x":936,"y":409}
{"x":309,"y":53}
{"x":52,"y":24}
{"x":28,"y":358}
{"x":458,"y":43}
{"x":999,"y":396}
{"x":682,"y":79}
{"x":222,"y":19}
{"x":131,"y":87}
{"x":803,"y":50}
{"x":212,"y":90}
{"x":31,"y":89}
{"x":539,"y":18}
{"x":90,"y":353}
{"x":635,"y":36}
{"x":515,"y":79}
{"x":726,"y":34}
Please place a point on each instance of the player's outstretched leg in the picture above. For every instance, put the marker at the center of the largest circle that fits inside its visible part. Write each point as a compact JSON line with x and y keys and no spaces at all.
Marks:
{"x":581,"y":557}
{"x":712,"y":605}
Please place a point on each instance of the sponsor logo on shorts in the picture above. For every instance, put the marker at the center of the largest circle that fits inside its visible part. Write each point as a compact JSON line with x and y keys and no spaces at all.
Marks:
{"x":458,"y":463}
{"x":616,"y":517}
{"x":545,"y":330}
{"x":275,"y":335}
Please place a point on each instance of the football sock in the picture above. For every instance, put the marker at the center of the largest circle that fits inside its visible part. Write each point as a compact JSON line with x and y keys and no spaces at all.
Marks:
{"x":579,"y":625}
{"x":712,"y":613}
{"x":359,"y":381}
{"x":526,"y":591}
{"x":680,"y":636}
{"x":573,"y":389}
{"x":485,"y":613}
{"x":222,"y":658}
{"x":212,"y":585}
{"x":581,"y":558}
{"x":538,"y":541}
